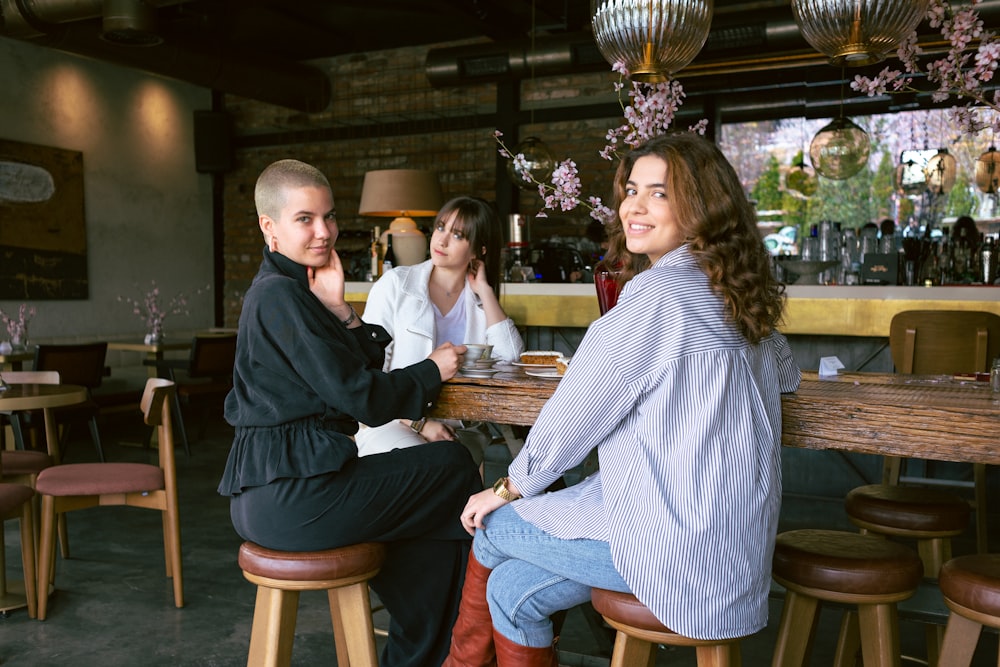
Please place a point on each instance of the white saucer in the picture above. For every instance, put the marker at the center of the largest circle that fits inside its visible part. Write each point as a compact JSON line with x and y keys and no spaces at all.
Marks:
{"x":478,"y":372}
{"x":544,"y":374}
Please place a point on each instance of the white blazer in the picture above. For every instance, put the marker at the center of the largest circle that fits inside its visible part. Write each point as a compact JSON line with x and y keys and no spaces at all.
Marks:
{"x":400,"y":302}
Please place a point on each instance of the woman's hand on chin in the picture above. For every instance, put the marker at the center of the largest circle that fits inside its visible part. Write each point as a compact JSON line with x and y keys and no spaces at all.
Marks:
{"x":327,"y":283}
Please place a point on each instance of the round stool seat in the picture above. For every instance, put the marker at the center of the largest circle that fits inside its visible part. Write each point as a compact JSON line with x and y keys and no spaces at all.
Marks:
{"x":907,"y":510}
{"x":973,"y":582}
{"x":845,"y":563}
{"x":355,"y":560}
{"x":625,"y":612}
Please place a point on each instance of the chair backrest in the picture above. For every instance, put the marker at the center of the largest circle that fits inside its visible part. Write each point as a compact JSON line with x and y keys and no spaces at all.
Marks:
{"x":81,"y":364}
{"x":30,"y":377}
{"x":155,"y":406}
{"x":213,"y":356}
{"x":944,"y":341}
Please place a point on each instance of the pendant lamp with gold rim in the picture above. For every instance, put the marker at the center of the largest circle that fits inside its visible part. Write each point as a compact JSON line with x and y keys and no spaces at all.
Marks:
{"x":653,"y":38}
{"x":940,"y":172}
{"x":988,"y":171}
{"x":857,"y":32}
{"x":538,"y":163}
{"x":840,"y":149}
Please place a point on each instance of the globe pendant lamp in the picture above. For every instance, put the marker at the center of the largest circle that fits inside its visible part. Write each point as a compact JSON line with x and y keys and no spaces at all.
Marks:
{"x":988,"y":171}
{"x":538,"y":162}
{"x":801,"y":181}
{"x":940,"y":172}
{"x":839,"y":150}
{"x":653,"y":38}
{"x":857,"y":32}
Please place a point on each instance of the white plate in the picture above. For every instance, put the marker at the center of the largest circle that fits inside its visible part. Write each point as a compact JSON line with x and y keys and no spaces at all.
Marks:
{"x":544,"y":374}
{"x":518,"y":363}
{"x":478,"y":372}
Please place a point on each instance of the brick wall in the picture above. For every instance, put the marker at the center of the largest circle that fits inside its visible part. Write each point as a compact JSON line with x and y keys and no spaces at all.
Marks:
{"x":386,"y":115}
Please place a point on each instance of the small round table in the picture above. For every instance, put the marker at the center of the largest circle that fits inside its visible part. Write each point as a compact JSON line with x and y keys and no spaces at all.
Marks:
{"x":44,"y":397}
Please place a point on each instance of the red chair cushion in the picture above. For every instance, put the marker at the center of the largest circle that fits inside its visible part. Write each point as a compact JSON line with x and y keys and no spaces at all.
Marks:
{"x":12,"y":496}
{"x":24,"y":462}
{"x":94,"y":479}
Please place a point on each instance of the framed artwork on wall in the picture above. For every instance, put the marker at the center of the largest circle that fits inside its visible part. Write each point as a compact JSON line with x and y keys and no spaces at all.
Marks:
{"x":43,"y":233}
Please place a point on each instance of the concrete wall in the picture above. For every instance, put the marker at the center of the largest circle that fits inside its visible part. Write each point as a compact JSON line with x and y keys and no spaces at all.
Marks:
{"x":148,"y":212}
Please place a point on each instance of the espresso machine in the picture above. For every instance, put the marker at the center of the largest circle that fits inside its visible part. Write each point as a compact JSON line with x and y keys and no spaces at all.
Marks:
{"x":517,"y":262}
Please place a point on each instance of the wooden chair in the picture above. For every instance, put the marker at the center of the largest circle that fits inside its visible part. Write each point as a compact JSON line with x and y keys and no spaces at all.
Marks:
{"x":945,"y":342}
{"x":69,"y":487}
{"x":203,"y":379}
{"x":23,"y":377}
{"x":15,"y":503}
{"x":81,"y":364}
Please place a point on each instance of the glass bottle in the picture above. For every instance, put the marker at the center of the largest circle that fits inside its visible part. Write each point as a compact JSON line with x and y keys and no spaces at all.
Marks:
{"x":376,"y":255}
{"x":389,"y":260}
{"x":995,"y":377}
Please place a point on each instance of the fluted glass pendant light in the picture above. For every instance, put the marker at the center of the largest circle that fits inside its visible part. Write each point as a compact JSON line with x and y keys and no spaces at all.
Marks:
{"x":940,"y":172}
{"x":988,"y":171}
{"x":857,"y":32}
{"x":654,"y":38}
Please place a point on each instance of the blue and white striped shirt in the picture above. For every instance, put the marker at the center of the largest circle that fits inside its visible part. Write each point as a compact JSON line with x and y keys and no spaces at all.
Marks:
{"x":686,"y":418}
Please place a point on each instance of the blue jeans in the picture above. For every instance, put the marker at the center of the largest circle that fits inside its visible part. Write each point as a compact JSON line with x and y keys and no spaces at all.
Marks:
{"x":535,"y":575}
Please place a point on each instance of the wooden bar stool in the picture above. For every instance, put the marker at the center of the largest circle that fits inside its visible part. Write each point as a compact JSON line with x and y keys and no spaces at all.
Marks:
{"x":971,"y":589}
{"x":835,"y":566}
{"x":639,"y":632}
{"x":280,"y":576}
{"x":931,"y":517}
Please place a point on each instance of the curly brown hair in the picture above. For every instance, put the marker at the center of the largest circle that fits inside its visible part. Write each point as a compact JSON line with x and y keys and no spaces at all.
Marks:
{"x":720,"y":226}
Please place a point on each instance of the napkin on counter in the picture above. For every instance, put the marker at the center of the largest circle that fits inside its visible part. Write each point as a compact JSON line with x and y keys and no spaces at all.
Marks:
{"x":829,"y":366}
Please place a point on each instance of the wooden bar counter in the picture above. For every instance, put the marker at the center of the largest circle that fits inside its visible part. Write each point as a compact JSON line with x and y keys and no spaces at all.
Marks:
{"x":812,"y":309}
{"x":910,"y":416}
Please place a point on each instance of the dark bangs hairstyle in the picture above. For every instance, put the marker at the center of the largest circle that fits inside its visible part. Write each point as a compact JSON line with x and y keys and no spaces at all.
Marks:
{"x":720,"y":226}
{"x":479,"y":222}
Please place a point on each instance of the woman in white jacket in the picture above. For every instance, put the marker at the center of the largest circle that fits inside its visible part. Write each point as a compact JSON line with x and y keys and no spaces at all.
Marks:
{"x":453,"y":297}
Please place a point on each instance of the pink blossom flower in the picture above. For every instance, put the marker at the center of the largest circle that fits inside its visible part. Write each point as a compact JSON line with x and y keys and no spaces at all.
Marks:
{"x":17,"y":327}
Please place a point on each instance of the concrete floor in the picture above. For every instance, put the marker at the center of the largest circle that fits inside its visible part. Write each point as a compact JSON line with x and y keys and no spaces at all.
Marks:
{"x":113,"y":605}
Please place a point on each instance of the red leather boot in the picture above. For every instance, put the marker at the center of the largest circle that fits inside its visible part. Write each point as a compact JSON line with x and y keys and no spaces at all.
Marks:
{"x":510,"y":654}
{"x":472,"y":636}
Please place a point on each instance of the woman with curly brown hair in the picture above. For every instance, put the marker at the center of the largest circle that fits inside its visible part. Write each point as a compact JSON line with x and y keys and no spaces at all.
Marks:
{"x":678,"y":388}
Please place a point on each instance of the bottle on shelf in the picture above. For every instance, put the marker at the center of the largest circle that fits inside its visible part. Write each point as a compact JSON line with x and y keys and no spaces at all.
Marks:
{"x":389,"y":260}
{"x":376,"y":253}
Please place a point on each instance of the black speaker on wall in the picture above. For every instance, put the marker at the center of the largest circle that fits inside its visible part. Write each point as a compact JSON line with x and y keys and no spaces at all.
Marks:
{"x":213,"y":150}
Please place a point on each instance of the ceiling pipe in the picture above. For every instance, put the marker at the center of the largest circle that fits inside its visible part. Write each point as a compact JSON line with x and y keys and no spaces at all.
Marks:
{"x":74,"y":26}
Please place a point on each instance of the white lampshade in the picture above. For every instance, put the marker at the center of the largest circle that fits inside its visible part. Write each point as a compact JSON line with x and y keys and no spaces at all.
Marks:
{"x":400,"y":194}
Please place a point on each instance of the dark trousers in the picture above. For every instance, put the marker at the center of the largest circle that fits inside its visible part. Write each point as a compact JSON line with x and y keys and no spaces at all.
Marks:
{"x":410,"y":499}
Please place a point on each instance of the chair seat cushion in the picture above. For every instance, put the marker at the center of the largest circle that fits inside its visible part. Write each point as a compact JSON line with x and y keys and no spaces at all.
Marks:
{"x":973,"y":582}
{"x":625,"y":608}
{"x":908,"y":508}
{"x":349,"y":561}
{"x":12,"y":496}
{"x":843,"y":562}
{"x":24,"y":462}
{"x":92,"y":479}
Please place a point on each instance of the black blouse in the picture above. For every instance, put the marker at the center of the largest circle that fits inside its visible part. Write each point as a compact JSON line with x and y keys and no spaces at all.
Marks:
{"x":302,"y":382}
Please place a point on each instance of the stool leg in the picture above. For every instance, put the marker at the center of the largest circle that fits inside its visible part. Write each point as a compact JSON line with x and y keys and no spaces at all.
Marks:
{"x":632,"y":652}
{"x":273,"y":629}
{"x":879,"y":635}
{"x":724,"y":655}
{"x":960,"y":641}
{"x":798,"y":622}
{"x":355,"y":613}
{"x":848,"y":642}
{"x":339,"y":634}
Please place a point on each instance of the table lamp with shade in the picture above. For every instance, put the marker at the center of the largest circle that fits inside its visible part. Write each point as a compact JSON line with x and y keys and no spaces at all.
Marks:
{"x":402,"y":194}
